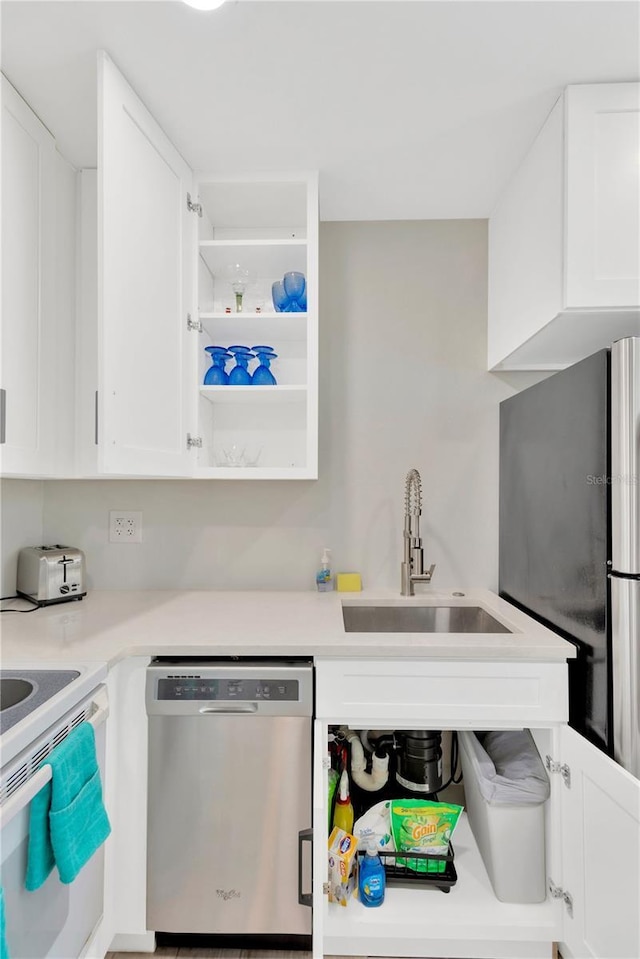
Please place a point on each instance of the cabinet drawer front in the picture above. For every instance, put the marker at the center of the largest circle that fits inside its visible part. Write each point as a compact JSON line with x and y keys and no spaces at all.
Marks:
{"x":456,"y":695}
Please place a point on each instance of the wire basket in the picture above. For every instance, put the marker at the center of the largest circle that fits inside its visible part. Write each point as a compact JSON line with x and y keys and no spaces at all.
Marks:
{"x":439,"y":870}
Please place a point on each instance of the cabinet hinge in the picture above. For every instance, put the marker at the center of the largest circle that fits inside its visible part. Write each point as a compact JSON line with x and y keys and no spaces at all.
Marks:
{"x":562,"y":768}
{"x":326,"y":762}
{"x":194,"y":326}
{"x":193,"y":207}
{"x":194,"y":442}
{"x":325,"y":888}
{"x":557,"y":893}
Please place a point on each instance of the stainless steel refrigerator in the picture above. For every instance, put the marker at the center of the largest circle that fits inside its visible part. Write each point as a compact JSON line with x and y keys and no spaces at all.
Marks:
{"x":570,"y":532}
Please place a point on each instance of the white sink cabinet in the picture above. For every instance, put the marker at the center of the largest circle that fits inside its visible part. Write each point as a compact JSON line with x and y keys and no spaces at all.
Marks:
{"x":564,"y":237}
{"x":593,"y":820}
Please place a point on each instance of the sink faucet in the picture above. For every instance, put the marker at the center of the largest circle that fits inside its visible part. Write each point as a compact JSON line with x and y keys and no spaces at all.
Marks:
{"x":412,"y":567}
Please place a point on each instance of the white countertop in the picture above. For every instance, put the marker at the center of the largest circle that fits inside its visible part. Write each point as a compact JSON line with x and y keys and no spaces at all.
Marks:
{"x":109,"y":625}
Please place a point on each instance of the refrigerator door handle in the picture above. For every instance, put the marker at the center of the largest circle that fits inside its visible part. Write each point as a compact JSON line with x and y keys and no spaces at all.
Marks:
{"x":625,"y":621}
{"x":625,"y":455}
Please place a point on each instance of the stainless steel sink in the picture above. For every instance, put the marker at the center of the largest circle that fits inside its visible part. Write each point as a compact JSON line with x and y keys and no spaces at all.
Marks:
{"x":420,"y":619}
{"x":13,"y":691}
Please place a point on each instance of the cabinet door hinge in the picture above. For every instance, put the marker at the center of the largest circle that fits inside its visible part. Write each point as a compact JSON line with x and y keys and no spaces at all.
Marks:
{"x":325,"y":888}
{"x":326,"y":762}
{"x":194,"y":442}
{"x":557,"y":893}
{"x":193,"y":207}
{"x":194,"y":326}
{"x":562,"y":768}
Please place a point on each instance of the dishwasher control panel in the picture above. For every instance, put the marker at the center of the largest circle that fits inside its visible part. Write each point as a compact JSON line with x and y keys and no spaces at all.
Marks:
{"x":228,"y":690}
{"x":266,"y":688}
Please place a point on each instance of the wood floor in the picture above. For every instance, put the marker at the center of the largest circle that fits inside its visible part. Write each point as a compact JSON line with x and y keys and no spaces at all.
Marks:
{"x":168,"y":952}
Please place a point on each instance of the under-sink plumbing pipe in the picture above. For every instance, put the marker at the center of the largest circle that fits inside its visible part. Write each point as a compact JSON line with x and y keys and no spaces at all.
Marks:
{"x":379,"y":774}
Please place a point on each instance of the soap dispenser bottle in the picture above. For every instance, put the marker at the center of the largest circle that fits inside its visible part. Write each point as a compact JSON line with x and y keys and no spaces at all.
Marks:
{"x":371,"y":877}
{"x":324,"y":580}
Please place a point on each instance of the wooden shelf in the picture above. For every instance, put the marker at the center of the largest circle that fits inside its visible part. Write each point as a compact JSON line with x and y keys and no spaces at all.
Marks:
{"x":254,"y":394}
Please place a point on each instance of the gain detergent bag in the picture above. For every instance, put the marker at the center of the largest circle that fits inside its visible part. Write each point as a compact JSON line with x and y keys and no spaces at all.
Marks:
{"x":418,"y":825}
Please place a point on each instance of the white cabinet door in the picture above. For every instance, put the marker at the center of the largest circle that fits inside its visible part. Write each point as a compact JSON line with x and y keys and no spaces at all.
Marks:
{"x":144,"y":278}
{"x":28,"y":289}
{"x":603,"y":195}
{"x":601,"y":854}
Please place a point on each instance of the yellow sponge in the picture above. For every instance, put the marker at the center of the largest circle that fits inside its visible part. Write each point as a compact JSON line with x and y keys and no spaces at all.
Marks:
{"x":349,"y":582}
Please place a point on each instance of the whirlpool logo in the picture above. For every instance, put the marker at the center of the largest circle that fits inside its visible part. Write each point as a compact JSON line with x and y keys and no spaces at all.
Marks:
{"x":227,"y":894}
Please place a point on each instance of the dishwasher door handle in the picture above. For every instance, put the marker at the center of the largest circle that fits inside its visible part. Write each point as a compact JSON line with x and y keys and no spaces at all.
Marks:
{"x":229,"y":708}
{"x":304,"y":898}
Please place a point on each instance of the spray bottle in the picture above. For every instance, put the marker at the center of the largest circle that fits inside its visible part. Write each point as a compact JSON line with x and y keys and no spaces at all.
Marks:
{"x":343,"y":813}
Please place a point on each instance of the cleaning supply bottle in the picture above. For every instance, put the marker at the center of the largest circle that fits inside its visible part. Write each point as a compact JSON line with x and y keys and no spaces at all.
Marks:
{"x":371,"y":877}
{"x":343,"y":812}
{"x":324,"y":580}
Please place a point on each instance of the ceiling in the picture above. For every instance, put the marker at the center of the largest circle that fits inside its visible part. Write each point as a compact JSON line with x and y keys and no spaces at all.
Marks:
{"x":410,"y":109}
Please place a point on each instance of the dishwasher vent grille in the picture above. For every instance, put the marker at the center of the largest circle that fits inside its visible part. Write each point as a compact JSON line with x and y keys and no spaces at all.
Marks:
{"x":18,"y":775}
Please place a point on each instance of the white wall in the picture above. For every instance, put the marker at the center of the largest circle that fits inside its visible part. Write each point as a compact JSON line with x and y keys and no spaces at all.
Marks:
{"x":21,"y":516}
{"x":403,"y":348}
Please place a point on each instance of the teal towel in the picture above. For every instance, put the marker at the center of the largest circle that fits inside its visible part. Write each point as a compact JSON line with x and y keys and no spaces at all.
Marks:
{"x":68,"y":820}
{"x":4,"y":952}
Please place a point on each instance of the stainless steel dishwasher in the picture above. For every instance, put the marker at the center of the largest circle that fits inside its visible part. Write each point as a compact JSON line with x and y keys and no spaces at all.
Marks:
{"x":229,"y":797}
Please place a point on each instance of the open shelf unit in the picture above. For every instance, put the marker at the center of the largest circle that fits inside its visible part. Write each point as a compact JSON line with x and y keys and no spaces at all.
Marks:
{"x":269,"y":227}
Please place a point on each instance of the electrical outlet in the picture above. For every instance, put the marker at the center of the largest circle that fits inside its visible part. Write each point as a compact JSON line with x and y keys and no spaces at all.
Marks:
{"x":125,"y":526}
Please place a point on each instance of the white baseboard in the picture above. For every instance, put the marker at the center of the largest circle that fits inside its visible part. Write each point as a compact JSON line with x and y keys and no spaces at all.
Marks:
{"x":135,"y":942}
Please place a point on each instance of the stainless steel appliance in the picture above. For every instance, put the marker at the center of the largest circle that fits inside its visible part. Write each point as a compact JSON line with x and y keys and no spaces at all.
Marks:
{"x":570,"y":532}
{"x":51,"y":574}
{"x":229,"y":797}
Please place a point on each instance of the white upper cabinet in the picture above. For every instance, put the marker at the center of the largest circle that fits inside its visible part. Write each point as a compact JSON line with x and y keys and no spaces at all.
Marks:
{"x":564,"y":238}
{"x":166,"y":245}
{"x":28,"y":335}
{"x":144,"y":288}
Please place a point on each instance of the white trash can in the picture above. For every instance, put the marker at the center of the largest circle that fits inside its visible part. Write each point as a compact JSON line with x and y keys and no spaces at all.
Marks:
{"x":506,"y":786}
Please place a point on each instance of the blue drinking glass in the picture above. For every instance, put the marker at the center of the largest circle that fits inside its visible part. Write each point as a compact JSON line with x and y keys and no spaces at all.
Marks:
{"x":215,"y":375}
{"x":279,"y":296}
{"x":294,"y":285}
{"x":239,"y":375}
{"x":262,"y":375}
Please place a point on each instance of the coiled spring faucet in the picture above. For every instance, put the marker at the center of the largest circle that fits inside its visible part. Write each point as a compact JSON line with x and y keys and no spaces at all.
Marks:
{"x":412,"y":568}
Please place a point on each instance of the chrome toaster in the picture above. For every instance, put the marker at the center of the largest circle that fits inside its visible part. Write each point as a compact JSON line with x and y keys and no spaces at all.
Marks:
{"x":51,"y":574}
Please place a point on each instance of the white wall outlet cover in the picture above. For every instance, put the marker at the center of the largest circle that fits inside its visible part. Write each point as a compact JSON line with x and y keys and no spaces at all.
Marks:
{"x":125,"y":526}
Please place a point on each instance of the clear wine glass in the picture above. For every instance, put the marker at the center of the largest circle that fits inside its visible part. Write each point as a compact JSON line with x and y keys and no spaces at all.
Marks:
{"x":239,"y":279}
